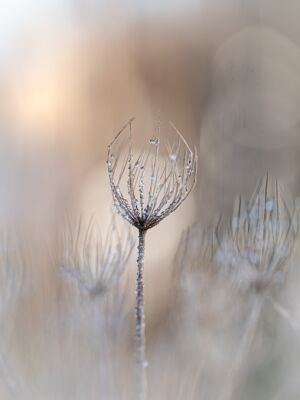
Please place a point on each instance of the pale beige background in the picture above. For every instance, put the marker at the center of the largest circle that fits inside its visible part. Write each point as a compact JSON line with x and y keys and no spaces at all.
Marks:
{"x":225,"y":72}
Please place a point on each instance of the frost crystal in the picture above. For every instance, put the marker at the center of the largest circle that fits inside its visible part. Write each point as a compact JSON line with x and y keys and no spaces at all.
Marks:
{"x":269,"y":205}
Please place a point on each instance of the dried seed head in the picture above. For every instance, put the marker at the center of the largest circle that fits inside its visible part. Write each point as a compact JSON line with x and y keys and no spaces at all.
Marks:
{"x":206,"y":304}
{"x":194,"y":260}
{"x":196,"y":249}
{"x":94,"y":263}
{"x":148,"y":187}
{"x":255,"y":248}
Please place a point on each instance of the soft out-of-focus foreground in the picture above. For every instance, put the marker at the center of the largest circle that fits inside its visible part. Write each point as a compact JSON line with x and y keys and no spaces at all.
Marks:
{"x":222,"y":300}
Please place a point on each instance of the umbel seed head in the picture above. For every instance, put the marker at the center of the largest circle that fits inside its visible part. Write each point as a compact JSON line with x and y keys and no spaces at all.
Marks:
{"x":260,"y":239}
{"x":147,"y":187}
{"x":95,"y":263}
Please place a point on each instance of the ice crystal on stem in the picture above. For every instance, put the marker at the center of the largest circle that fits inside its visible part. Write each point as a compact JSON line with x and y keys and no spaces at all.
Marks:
{"x":146,"y":188}
{"x":95,"y":264}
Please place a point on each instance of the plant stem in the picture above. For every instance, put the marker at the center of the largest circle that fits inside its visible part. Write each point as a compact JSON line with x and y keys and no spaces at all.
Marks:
{"x":284,"y":313}
{"x":140,"y":339}
{"x":236,"y":369}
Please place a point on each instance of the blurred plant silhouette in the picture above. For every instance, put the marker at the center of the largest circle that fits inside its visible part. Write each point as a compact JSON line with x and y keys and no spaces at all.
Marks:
{"x":93,"y":262}
{"x":96,"y":264}
{"x":226,"y":273}
{"x":255,"y":249}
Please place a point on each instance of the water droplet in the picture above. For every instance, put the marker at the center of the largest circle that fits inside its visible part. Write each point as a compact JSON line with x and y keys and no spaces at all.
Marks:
{"x":173,"y":157}
{"x":269,"y":205}
{"x":153,"y":178}
{"x":253,"y":214}
{"x":253,"y":257}
{"x":283,"y":251}
{"x":235,"y":222}
{"x":151,"y":199}
{"x":154,"y":140}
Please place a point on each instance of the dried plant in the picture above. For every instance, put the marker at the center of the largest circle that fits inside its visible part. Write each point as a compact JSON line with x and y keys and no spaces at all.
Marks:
{"x":198,"y":276}
{"x":146,"y":189}
{"x":195,"y":272}
{"x":255,"y":249}
{"x":196,"y":250}
{"x":253,"y":252}
{"x":94,"y":263}
{"x":207,"y":311}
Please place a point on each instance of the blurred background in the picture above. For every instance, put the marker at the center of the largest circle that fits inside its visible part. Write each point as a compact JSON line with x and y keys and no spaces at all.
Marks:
{"x":226,"y":72}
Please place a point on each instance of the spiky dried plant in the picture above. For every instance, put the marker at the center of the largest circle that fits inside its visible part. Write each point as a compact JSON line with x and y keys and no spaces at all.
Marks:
{"x":94,"y":263}
{"x":197,"y":245}
{"x":194,"y":270}
{"x":256,"y":247}
{"x":146,"y":188}
{"x":254,"y":253}
{"x":207,"y":310}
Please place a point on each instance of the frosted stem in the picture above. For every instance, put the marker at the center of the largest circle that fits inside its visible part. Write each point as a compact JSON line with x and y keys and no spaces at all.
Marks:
{"x":285,"y":314}
{"x":140,"y":340}
{"x":235,"y":372}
